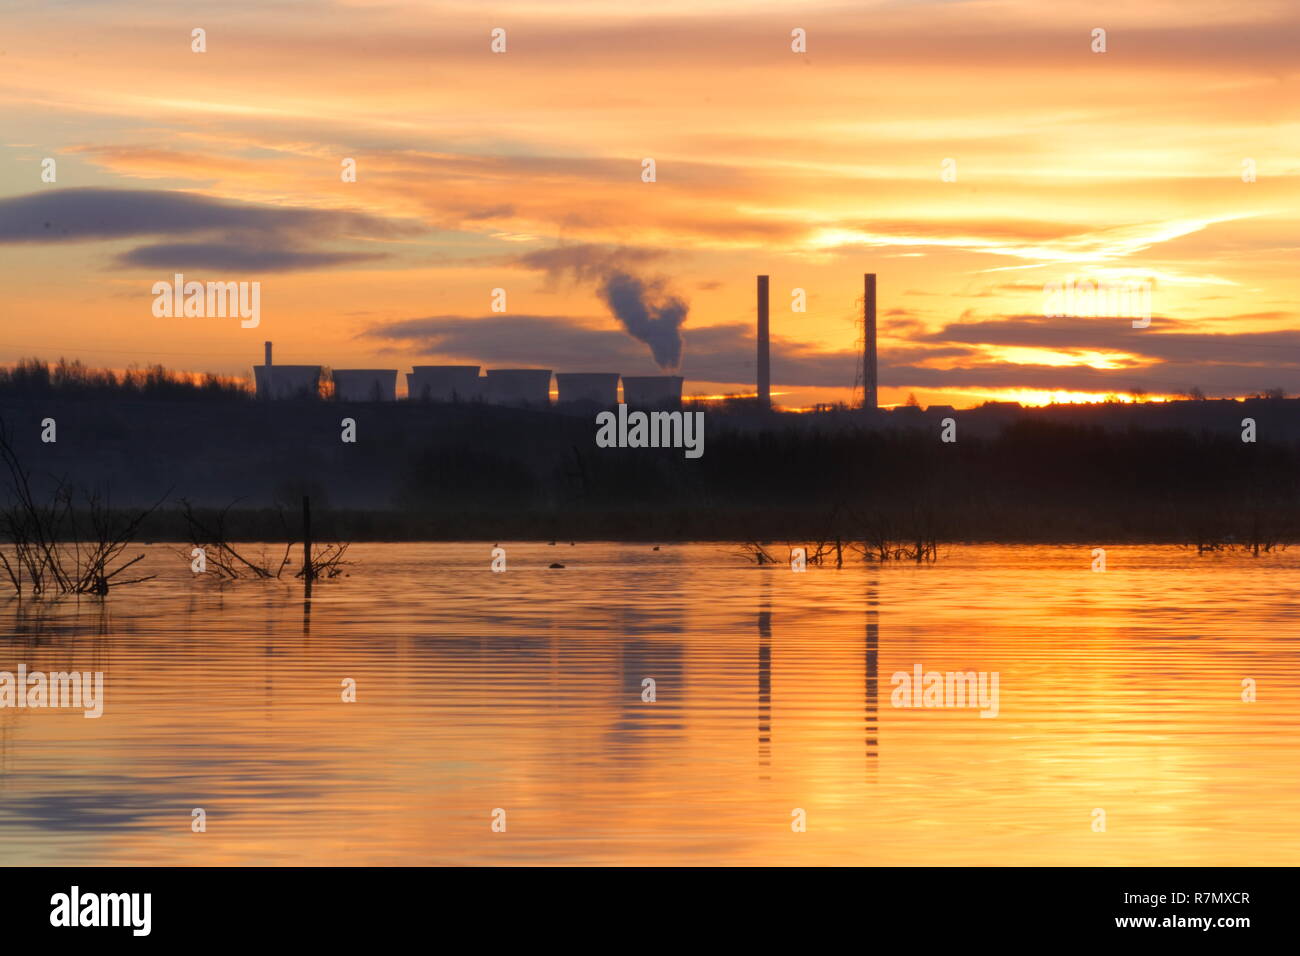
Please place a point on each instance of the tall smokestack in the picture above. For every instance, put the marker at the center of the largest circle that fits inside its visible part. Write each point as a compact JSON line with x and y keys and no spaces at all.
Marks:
{"x":869,"y":400}
{"x":266,"y":373}
{"x":764,"y":353}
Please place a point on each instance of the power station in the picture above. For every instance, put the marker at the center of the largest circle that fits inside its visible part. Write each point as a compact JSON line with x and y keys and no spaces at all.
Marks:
{"x":365,"y":384}
{"x":763,"y":359}
{"x":531,"y":387}
{"x":443,"y":383}
{"x":590,"y":388}
{"x":870,"y":400}
{"x":286,"y":381}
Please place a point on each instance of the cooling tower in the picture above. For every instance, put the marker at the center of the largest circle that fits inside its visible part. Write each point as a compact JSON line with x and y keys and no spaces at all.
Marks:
{"x":518,"y":386}
{"x":652,"y":391}
{"x":596,"y":388}
{"x":365,"y":384}
{"x":287,"y":381}
{"x":443,"y":383}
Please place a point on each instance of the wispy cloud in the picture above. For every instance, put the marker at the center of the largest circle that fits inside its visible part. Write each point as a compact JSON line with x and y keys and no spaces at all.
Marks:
{"x":243,"y":236}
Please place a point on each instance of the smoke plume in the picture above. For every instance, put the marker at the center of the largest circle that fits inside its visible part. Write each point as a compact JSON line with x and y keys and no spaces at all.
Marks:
{"x":644,"y":307}
{"x":648,"y":313}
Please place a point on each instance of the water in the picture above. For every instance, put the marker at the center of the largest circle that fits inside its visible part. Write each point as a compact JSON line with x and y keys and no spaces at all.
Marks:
{"x":1119,"y":691}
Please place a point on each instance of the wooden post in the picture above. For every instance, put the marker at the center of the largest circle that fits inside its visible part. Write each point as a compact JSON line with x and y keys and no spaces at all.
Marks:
{"x":306,"y":538}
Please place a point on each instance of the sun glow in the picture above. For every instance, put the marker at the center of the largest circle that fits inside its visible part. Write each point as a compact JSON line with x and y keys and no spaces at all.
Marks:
{"x":1035,"y":397}
{"x":1063,"y":358}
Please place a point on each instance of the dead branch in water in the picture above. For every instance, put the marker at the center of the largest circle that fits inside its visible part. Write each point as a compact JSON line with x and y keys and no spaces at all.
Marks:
{"x":58,"y":547}
{"x":328,"y":561}
{"x":222,"y":557}
{"x":219,"y":555}
{"x":881,"y":538}
{"x":753,"y":549}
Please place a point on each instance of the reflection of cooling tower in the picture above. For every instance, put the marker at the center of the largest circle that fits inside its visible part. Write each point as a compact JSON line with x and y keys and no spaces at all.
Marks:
{"x":597,"y":388}
{"x":443,"y":383}
{"x":652,"y":391}
{"x":518,"y":386}
{"x":287,"y":381}
{"x":365,"y":384}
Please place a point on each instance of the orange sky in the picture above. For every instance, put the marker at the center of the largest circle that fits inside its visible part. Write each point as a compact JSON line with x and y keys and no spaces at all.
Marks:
{"x":474,"y":168}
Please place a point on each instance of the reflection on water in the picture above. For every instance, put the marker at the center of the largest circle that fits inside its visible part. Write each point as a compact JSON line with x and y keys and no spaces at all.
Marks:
{"x":765,"y":678}
{"x":871,"y":670}
{"x":1120,"y":690}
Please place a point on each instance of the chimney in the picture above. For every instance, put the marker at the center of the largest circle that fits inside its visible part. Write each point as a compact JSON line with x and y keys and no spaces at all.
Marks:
{"x":267,"y":372}
{"x":869,"y":399}
{"x":764,"y":356}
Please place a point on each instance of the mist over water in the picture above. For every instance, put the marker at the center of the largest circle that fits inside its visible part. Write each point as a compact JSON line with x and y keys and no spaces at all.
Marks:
{"x":523,"y":691}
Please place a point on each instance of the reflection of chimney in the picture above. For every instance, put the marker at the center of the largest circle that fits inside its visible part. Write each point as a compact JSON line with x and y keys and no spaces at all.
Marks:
{"x":764,"y":357}
{"x":869,"y":400}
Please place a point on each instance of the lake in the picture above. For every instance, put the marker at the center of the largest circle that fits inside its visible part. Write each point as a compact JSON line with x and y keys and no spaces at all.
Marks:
{"x":774,"y":704}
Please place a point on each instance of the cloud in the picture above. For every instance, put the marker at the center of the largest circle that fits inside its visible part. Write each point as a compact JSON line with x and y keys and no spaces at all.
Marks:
{"x":1046,"y":245}
{"x":515,"y":341}
{"x":585,"y":262}
{"x":228,"y":235}
{"x":1160,"y":379}
{"x":1281,"y":349}
{"x":71,"y":215}
{"x":237,"y":257}
{"x":724,"y":354}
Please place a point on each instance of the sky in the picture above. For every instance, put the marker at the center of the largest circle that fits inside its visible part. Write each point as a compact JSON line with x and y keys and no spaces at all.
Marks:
{"x":971,"y":154}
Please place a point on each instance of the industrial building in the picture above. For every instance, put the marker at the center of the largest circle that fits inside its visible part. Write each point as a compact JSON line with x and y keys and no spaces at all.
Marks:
{"x":286,"y":381}
{"x":443,"y":383}
{"x":365,"y":384}
{"x":763,"y":358}
{"x":593,"y":388}
{"x":652,"y":391}
{"x":870,"y":400}
{"x":763,"y":365}
{"x":530,"y":387}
